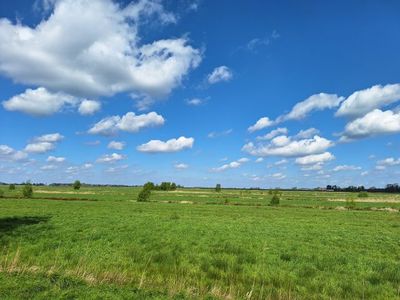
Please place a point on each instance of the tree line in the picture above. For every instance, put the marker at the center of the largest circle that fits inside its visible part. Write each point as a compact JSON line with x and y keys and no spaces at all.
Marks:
{"x":389,"y":188}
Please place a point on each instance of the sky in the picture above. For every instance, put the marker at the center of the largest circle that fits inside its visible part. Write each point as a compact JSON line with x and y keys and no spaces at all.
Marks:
{"x":242,"y":93}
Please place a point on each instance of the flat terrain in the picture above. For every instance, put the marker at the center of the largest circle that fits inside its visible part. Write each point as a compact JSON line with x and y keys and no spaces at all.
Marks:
{"x":99,"y":243}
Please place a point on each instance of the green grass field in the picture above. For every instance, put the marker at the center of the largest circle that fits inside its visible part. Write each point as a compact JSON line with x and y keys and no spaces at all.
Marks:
{"x":99,"y":243}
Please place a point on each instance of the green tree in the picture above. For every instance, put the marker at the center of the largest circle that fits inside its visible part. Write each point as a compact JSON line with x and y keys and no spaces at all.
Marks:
{"x":11,"y":187}
{"x":149,"y":185}
{"x":27,"y":190}
{"x":173,"y":186}
{"x":77,"y":185}
{"x":218,"y":187}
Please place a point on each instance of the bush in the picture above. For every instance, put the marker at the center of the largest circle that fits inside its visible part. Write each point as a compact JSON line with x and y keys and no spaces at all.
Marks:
{"x":218,"y":187}
{"x":11,"y":187}
{"x":27,"y":190}
{"x":1,"y":193}
{"x":362,"y":195}
{"x":276,"y":197}
{"x":77,"y":185}
{"x":144,"y":195}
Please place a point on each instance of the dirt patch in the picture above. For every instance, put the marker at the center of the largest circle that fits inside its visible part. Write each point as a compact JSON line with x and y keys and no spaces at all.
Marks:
{"x":389,"y":209}
{"x":368,"y":200}
{"x":340,"y":208}
{"x":186,"y":202}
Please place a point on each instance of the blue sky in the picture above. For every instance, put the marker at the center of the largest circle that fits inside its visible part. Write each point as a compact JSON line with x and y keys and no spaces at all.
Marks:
{"x":242,"y":93}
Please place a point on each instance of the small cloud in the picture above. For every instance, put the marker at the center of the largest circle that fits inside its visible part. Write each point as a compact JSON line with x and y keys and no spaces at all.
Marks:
{"x":222,"y":73}
{"x":89,"y":107}
{"x":215,"y":134}
{"x":172,"y":145}
{"x":55,"y":159}
{"x":262,"y":123}
{"x":116,"y":145}
{"x":110,"y":158}
{"x":346,"y":168}
{"x":181,"y":166}
{"x":232,"y":165}
{"x":196,"y":101}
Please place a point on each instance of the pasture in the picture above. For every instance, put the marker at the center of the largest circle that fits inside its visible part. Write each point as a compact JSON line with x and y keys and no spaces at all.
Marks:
{"x":99,"y":243}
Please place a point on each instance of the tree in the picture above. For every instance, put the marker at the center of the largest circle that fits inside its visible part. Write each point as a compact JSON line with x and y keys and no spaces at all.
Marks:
{"x":144,"y":195}
{"x":149,"y":185}
{"x":218,"y":187}
{"x":77,"y":185}
{"x":27,"y":190}
{"x":173,"y":186}
{"x":11,"y":187}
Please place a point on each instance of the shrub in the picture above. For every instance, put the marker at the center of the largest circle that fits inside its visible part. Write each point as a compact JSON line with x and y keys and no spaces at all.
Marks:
{"x":77,"y":185}
{"x":1,"y":193}
{"x":218,"y":187}
{"x":144,"y":195}
{"x":276,"y":197}
{"x":11,"y":187}
{"x":27,"y":190}
{"x":362,"y":195}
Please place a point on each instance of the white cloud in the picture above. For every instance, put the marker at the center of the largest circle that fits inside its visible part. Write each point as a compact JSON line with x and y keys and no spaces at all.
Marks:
{"x":38,"y":102}
{"x":259,"y":160}
{"x":315,"y":159}
{"x":390,"y":161}
{"x":116,"y":145}
{"x":9,"y":154}
{"x":87,"y":166}
{"x":172,"y":145}
{"x":129,"y":122}
{"x":316,"y":167}
{"x":280,"y":141}
{"x":195,"y":101}
{"x":232,"y":165}
{"x":48,"y":167}
{"x":222,"y":73}
{"x":307,"y":133}
{"x":278,"y":176}
{"x":313,"y":103}
{"x":97,"y":54}
{"x":281,"y":162}
{"x":215,"y":134}
{"x":39,"y":147}
{"x":116,"y":169}
{"x":181,"y":166}
{"x":346,"y":168}
{"x":110,"y":158}
{"x":361,"y":102}
{"x":273,"y":133}
{"x":55,"y":159}
{"x":293,"y":148}
{"x":89,"y":107}
{"x":49,"y":138}
{"x":373,"y":123}
{"x":261,"y":124}
{"x":43,"y":143}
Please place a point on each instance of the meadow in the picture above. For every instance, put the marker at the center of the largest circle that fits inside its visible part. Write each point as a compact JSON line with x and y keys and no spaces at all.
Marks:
{"x":99,"y":243}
